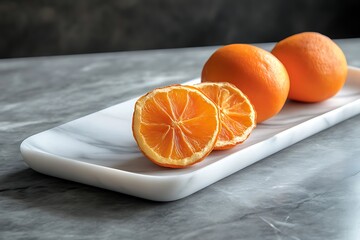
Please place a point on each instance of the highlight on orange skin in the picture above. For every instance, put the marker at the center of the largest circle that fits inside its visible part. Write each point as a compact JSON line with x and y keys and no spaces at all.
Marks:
{"x":317,"y":67}
{"x":256,"y":72}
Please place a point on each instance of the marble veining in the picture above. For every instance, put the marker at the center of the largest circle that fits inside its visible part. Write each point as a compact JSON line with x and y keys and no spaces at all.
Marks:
{"x":105,"y":139}
{"x":307,"y":191}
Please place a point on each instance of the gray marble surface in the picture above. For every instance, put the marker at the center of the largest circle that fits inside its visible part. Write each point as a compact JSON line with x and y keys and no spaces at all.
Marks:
{"x":310,"y":190}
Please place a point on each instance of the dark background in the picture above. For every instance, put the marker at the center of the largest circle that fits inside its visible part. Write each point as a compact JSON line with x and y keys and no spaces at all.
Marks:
{"x":57,"y":27}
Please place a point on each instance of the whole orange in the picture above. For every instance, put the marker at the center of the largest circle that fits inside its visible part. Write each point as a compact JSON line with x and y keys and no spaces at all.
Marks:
{"x":316,"y":66}
{"x":256,"y":72}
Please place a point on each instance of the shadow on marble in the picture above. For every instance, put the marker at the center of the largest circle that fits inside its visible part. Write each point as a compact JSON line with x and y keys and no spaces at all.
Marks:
{"x":35,"y":190}
{"x":289,"y":195}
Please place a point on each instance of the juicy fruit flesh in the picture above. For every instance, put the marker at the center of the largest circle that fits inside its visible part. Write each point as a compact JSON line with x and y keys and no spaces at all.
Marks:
{"x":183,"y":127}
{"x":237,"y":115}
{"x":176,"y":126}
{"x":234,"y":123}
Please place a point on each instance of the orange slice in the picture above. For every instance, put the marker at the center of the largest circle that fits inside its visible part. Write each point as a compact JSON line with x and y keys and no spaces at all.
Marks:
{"x":175,"y":126}
{"x":237,"y":114}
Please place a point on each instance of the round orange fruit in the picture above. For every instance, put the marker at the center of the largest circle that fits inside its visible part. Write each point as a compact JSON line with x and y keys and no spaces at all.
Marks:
{"x":316,"y":66}
{"x":237,"y":115}
{"x":175,"y":126}
{"x":256,"y":72}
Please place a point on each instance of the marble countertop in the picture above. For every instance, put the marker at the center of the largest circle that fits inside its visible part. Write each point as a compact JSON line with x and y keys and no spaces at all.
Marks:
{"x":310,"y":190}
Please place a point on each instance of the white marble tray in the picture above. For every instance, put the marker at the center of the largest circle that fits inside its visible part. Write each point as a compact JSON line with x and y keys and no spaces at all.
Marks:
{"x":99,"y":149}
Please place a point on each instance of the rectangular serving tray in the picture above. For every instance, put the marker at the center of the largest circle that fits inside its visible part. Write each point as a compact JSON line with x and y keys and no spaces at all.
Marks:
{"x":99,"y":149}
